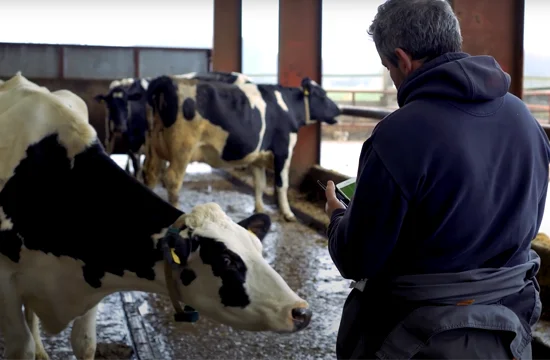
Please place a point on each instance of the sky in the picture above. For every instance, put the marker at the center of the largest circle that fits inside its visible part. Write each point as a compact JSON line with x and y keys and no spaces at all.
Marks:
{"x":347,"y":47}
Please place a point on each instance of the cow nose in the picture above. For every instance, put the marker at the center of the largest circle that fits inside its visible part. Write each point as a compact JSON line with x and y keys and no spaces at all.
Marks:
{"x":301,"y":318}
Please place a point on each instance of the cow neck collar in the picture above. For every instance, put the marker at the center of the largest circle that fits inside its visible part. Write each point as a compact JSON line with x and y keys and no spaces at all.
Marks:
{"x":306,"y":104}
{"x":172,"y":269}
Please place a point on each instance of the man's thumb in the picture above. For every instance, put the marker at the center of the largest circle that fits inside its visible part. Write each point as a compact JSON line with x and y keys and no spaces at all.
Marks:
{"x":330,"y":192}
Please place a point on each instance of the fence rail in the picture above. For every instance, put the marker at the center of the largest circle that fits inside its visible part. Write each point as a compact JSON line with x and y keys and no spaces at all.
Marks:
{"x":537,"y":87}
{"x":354,"y":94}
{"x":378,"y":114}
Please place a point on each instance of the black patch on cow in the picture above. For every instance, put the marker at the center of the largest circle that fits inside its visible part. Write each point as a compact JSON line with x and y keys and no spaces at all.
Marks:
{"x":162,"y":95}
{"x":93,"y":212}
{"x":219,"y":76}
{"x":187,"y":276}
{"x":228,"y":107}
{"x":137,"y":117}
{"x":93,"y":275}
{"x":228,"y":266}
{"x":10,"y":244}
{"x":188,"y":109}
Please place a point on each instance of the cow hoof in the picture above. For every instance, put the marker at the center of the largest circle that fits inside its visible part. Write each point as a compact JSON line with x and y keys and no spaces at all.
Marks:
{"x":290,"y":217}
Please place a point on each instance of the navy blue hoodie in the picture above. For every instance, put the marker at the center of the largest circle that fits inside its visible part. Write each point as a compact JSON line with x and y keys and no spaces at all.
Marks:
{"x":453,"y":180}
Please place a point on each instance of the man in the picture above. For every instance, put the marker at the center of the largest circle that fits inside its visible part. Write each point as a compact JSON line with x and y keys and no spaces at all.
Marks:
{"x":450,"y":192}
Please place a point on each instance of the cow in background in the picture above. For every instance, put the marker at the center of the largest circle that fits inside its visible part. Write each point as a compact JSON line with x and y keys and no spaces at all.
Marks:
{"x":63,"y":250}
{"x":229,"y":125}
{"x":125,"y":119}
{"x":126,"y":116}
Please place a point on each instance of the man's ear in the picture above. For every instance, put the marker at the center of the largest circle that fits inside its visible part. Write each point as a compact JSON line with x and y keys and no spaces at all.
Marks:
{"x":258,"y":224}
{"x":404,"y":61}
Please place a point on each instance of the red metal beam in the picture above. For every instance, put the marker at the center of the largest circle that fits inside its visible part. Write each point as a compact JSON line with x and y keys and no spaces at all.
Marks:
{"x":300,"y":56}
{"x":227,"y":49}
{"x":495,"y":27}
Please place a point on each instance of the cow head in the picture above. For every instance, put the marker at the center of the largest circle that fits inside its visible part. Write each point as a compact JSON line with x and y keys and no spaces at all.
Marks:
{"x":116,"y":101}
{"x":321,"y":107}
{"x":222,"y":273}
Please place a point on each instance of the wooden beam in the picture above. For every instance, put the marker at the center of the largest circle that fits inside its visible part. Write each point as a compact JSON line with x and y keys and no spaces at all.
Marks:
{"x":300,"y":56}
{"x":495,"y":27}
{"x":227,"y":48}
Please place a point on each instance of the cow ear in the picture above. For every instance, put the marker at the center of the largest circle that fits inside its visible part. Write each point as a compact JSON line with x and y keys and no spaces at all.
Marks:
{"x":258,"y":224}
{"x":99,"y":98}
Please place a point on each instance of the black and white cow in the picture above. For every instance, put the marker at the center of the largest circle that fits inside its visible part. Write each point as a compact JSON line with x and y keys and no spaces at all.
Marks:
{"x":228,"y":125}
{"x":62,"y":250}
{"x":126,"y":117}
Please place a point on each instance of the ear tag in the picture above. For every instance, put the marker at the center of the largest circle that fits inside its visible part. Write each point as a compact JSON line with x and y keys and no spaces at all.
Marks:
{"x":175,"y":257}
{"x":306,"y":92}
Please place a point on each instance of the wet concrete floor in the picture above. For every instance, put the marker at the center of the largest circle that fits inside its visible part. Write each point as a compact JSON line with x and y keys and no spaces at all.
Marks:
{"x":297,"y":252}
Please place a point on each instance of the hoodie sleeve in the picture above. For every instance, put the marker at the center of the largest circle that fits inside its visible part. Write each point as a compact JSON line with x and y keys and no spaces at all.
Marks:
{"x":362,"y":237}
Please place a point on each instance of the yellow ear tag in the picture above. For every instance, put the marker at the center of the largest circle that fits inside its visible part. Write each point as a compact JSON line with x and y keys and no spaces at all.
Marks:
{"x":175,"y":257}
{"x":306,"y":93}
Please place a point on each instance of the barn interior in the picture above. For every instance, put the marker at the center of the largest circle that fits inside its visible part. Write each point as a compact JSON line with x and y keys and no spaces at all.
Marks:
{"x":139,"y":325}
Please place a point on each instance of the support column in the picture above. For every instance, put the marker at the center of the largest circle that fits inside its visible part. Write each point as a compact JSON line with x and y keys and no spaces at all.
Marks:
{"x":495,"y":27}
{"x":300,"y":56}
{"x":227,"y":48}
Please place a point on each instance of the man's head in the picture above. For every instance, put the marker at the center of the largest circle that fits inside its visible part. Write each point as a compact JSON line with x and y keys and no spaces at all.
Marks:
{"x":408,"y":33}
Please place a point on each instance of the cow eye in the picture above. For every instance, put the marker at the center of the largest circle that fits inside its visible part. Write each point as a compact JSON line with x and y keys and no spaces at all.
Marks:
{"x":227,"y":261}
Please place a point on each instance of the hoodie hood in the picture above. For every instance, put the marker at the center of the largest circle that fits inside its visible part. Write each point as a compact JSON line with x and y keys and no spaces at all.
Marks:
{"x":458,"y":77}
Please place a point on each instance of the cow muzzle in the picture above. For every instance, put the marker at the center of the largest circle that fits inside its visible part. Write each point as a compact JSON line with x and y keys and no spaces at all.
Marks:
{"x":301,"y":317}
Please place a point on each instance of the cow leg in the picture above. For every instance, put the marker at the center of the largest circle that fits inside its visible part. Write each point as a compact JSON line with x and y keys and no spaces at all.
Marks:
{"x":281,"y":167}
{"x":83,"y":335}
{"x":174,"y":174}
{"x":33,"y":323}
{"x":150,"y":170}
{"x":135,"y":162}
{"x":127,"y":168}
{"x":18,"y":339}
{"x":162,"y":172}
{"x":259,"y":185}
{"x":110,"y":146}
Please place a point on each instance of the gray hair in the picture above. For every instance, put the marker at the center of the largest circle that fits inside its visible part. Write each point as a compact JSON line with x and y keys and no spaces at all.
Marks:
{"x":425,"y":29}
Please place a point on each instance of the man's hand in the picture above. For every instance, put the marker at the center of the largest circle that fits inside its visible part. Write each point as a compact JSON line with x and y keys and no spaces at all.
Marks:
{"x":332,"y":201}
